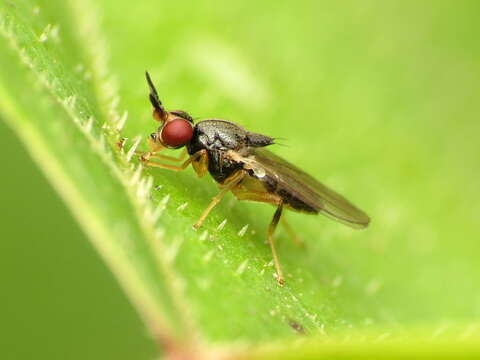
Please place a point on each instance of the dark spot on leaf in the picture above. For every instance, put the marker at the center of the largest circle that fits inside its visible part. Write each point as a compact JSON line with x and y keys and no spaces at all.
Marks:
{"x":296,"y":326}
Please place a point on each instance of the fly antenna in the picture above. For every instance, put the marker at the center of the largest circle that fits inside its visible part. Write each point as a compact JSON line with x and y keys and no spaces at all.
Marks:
{"x":159,"y":113}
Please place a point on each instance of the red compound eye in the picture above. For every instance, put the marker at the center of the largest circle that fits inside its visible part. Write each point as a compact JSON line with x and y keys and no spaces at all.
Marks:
{"x":176,"y":133}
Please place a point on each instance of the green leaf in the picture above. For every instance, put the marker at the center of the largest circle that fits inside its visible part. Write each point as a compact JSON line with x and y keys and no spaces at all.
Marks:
{"x":355,"y":109}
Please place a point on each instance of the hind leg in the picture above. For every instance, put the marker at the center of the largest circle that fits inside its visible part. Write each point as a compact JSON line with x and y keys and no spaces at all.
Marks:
{"x":243,"y":194}
{"x":271,"y":241}
{"x":293,"y":235}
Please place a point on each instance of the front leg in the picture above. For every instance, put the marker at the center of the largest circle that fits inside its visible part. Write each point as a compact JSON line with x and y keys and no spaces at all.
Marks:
{"x":155,"y":147}
{"x":165,"y":157}
{"x":198,"y":155}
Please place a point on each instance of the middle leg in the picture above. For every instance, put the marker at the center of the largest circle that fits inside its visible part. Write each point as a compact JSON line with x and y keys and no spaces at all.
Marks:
{"x":228,"y":185}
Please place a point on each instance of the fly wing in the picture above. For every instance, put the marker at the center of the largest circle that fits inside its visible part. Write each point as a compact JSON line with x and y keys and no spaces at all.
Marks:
{"x":306,"y":188}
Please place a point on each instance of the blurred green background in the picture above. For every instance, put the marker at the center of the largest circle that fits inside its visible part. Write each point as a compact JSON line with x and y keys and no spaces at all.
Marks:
{"x":385,"y":92}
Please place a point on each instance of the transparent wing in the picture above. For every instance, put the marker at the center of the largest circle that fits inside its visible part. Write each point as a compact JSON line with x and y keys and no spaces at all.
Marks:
{"x":304,"y":187}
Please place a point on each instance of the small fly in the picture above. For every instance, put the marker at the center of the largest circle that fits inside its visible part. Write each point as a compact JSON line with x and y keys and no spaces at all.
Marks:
{"x":239,"y":161}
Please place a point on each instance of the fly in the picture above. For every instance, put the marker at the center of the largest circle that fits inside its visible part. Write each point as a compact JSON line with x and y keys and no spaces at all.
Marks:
{"x":239,"y":161}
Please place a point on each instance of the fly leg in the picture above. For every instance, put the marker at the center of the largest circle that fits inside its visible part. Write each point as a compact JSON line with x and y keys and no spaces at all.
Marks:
{"x":243,"y":194}
{"x":293,"y":235}
{"x":229,"y":183}
{"x":194,"y":157}
{"x":154,"y":150}
{"x":170,"y":158}
{"x":271,"y":241}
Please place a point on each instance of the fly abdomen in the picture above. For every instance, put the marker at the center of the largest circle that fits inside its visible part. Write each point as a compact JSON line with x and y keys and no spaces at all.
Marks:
{"x":294,"y":202}
{"x":289,"y":197}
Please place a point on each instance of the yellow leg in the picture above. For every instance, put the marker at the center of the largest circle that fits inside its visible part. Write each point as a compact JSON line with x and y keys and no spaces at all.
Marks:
{"x":170,"y":158}
{"x":229,"y":183}
{"x":271,"y":241}
{"x":293,"y":235}
{"x":187,"y":162}
{"x":155,"y":148}
{"x":242,"y":194}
